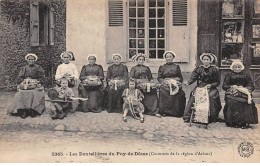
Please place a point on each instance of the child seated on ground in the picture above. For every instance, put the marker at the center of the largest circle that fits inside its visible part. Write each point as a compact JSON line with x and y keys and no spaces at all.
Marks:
{"x":61,"y":108}
{"x":132,"y":101}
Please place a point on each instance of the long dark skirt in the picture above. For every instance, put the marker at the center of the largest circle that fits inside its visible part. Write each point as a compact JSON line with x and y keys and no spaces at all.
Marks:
{"x":150,"y":102}
{"x":172,"y":105}
{"x":215,"y":105}
{"x":237,"y":113}
{"x":115,"y":101}
{"x":95,"y":99}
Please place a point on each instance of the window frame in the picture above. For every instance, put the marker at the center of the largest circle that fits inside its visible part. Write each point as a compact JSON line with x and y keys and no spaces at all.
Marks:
{"x":146,"y":29}
{"x":48,"y":26}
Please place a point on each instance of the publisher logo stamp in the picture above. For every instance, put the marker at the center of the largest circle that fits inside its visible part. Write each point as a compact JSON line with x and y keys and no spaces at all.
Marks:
{"x":245,"y":149}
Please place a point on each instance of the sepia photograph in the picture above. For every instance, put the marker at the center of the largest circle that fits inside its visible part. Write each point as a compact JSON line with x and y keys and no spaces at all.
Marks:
{"x":129,"y":81}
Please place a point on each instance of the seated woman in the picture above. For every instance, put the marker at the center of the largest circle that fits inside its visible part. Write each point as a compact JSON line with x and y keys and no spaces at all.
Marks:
{"x":29,"y":100}
{"x":91,"y":85}
{"x":240,"y":109}
{"x":117,"y":79}
{"x":143,"y":77}
{"x":208,"y":77}
{"x":172,"y":98}
{"x":67,"y":69}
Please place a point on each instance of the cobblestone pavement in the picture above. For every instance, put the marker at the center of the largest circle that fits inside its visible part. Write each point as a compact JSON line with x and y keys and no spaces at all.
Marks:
{"x":106,"y":132}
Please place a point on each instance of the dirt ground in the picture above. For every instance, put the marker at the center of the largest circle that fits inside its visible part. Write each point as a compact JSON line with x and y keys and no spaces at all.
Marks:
{"x":104,"y":137}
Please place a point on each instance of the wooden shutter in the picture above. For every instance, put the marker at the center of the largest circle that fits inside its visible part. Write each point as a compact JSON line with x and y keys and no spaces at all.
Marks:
{"x":208,"y":27}
{"x":51,"y":27}
{"x":116,"y":29}
{"x":179,"y":12}
{"x":179,"y":29}
{"x":34,"y":22}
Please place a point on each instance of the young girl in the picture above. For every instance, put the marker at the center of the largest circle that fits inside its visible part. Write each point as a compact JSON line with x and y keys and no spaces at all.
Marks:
{"x":60,"y":109}
{"x":132,"y":101}
{"x":67,"y":69}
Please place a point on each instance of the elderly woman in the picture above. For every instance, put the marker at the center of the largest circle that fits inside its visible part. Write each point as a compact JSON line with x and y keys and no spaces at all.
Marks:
{"x":91,"y":85}
{"x":239,"y":110}
{"x":67,"y":69}
{"x":143,"y":76}
{"x":117,"y":78}
{"x":207,"y":77}
{"x":29,"y":100}
{"x":171,"y":98}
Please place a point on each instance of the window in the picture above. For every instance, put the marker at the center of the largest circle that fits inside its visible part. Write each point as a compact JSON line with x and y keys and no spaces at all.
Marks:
{"x":42,"y":24}
{"x":146,"y":28}
{"x":233,"y":23}
{"x":255,"y":37}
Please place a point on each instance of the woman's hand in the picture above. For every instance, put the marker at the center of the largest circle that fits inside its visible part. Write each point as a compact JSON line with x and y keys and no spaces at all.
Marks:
{"x":208,"y":86}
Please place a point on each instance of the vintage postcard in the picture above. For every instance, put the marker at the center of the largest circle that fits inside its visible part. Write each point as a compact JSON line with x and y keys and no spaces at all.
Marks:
{"x":129,"y":81}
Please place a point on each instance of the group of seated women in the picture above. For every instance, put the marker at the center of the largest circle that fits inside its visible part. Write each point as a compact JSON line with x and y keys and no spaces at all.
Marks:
{"x":117,"y":92}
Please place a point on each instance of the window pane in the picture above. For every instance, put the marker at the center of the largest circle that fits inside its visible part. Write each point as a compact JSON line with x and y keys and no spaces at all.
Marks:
{"x":152,"y":33}
{"x":231,"y":51}
{"x":132,"y":2}
{"x":141,"y":12}
{"x":141,"y":23}
{"x":160,"y":43}
{"x":132,"y":23}
{"x":160,"y":13}
{"x":141,"y":43}
{"x":152,"y":13}
{"x":132,"y":33}
{"x":132,"y":53}
{"x":141,"y":3}
{"x":160,"y":33}
{"x":160,"y":54}
{"x":160,"y":3}
{"x":160,"y":23}
{"x":141,"y":33}
{"x":132,"y":43}
{"x":233,"y":31}
{"x":152,"y":3}
{"x":152,"y":53}
{"x":256,"y":31}
{"x":152,"y":23}
{"x":132,"y":12}
{"x":256,"y":8}
{"x":232,"y":8}
{"x":152,"y":43}
{"x":141,"y":51}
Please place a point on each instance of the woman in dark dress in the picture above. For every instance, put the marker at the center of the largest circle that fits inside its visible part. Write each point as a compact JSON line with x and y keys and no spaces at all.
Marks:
{"x":143,"y":75}
{"x":91,"y":86}
{"x":239,"y":110}
{"x":170,"y":103}
{"x":207,"y":76}
{"x":117,"y":79}
{"x":29,"y":100}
